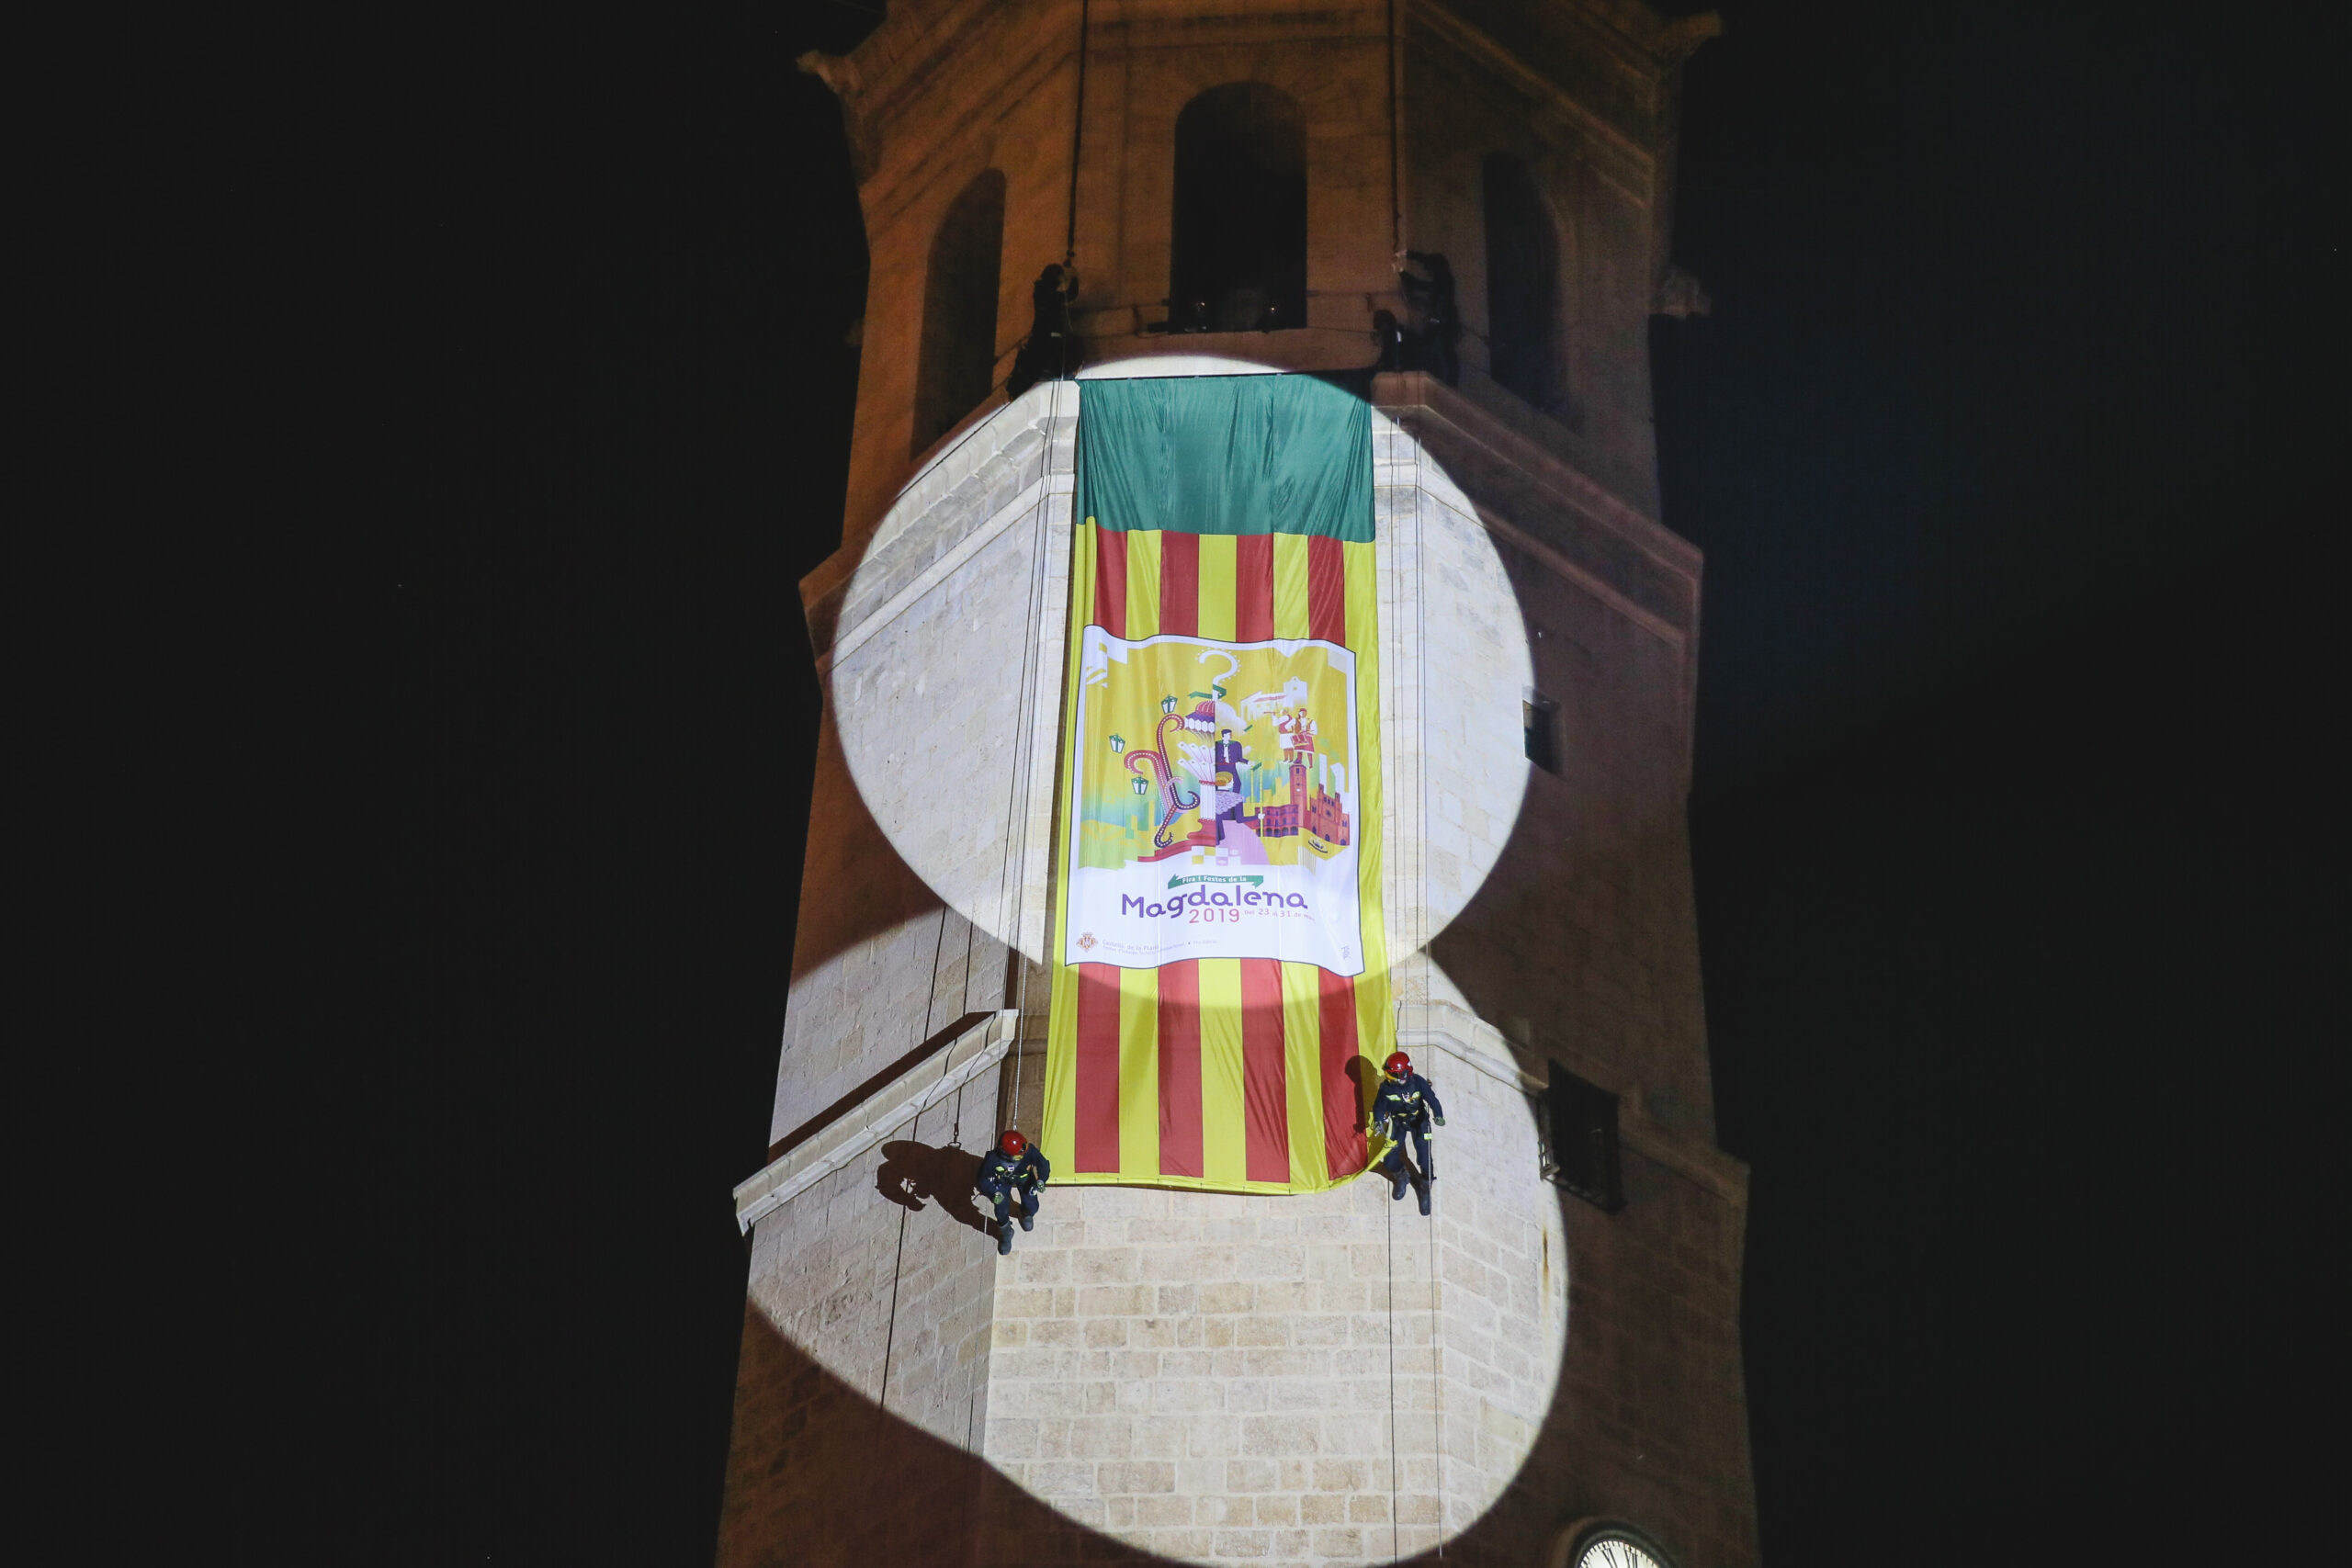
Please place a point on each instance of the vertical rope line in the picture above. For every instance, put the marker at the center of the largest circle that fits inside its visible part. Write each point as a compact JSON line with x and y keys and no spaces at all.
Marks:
{"x":1076,"y":144}
{"x":890,"y":1335}
{"x":1025,"y":740}
{"x":1009,"y":875}
{"x":938,"y":956}
{"x":1078,"y":132}
{"x":1392,"y":1549}
{"x":1009,"y":891}
{"x":972,"y":1366}
{"x":1396,"y":201}
{"x":1427,"y":923}
{"x":1421,"y":920}
{"x":1437,"y":1376}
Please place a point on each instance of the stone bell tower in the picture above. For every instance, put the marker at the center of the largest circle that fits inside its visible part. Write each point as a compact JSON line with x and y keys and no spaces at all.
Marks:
{"x":1206,"y":1377}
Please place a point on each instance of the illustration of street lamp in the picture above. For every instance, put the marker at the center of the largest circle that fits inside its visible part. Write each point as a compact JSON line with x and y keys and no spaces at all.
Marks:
{"x":1173,"y":801}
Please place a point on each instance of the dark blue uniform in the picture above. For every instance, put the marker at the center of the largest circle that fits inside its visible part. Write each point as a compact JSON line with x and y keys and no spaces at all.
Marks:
{"x":1403,"y":1107}
{"x":1433,"y":296}
{"x":1001,"y":1178}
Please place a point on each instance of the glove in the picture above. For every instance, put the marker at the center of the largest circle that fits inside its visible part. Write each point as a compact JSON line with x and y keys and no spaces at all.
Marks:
{"x":1441,"y":1120}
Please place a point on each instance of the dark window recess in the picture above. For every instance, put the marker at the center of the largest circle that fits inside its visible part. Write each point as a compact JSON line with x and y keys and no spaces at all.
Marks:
{"x":955,"y":368}
{"x":1522,"y":284}
{"x":1237,"y":257}
{"x":1541,"y":716}
{"x":1579,"y":1127}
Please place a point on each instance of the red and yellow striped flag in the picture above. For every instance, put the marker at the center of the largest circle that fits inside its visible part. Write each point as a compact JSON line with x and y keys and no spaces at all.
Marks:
{"x":1220,"y":996}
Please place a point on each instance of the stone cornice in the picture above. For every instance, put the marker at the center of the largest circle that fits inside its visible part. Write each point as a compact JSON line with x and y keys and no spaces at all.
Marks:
{"x":904,"y":61}
{"x":1449,"y":27}
{"x":1449,"y":425}
{"x":843,"y":1134}
{"x":905,"y":57}
{"x":1668,"y":41}
{"x":1416,"y":397}
{"x":1470,"y":440}
{"x":1680,"y":37}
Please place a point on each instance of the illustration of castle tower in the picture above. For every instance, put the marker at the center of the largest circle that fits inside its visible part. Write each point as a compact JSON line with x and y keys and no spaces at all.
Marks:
{"x":1302,"y":747}
{"x":1329,"y":1379}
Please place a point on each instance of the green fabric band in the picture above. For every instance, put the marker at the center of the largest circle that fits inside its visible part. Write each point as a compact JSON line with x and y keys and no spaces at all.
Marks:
{"x":1224,"y":455}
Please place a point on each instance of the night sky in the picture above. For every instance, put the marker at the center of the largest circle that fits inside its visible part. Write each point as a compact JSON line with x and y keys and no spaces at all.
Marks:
{"x":487,"y":395}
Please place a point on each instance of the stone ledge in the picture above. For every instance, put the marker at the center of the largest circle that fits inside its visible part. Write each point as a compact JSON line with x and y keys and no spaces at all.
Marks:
{"x":1497,"y":427}
{"x":873,"y":621}
{"x":976,"y":439}
{"x":1117,"y":352}
{"x":892,"y":1106}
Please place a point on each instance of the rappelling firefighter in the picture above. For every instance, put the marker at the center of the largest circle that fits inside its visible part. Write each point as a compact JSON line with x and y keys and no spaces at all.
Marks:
{"x":1051,"y":352}
{"x":1430,"y":293}
{"x":1010,"y":1176}
{"x":1406,"y":1104}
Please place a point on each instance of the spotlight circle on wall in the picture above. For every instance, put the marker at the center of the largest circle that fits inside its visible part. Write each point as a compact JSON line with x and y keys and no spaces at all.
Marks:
{"x":946,"y":668}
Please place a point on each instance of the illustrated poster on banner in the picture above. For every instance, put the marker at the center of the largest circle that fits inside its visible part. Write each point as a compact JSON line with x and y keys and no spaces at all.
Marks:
{"x":1217,"y":807}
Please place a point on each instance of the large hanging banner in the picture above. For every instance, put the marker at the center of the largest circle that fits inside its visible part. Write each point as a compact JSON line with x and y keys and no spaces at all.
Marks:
{"x":1220,"y":981}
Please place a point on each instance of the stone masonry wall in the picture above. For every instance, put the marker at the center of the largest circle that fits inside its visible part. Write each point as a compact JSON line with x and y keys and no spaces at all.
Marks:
{"x":1158,"y":1376}
{"x":882,"y":1277}
{"x":1581,"y":92}
{"x":1318,"y":1380}
{"x":1210,"y":1378}
{"x":955,"y":583}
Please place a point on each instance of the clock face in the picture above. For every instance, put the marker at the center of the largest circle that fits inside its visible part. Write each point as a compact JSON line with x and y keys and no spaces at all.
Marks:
{"x":1614,"y":1551}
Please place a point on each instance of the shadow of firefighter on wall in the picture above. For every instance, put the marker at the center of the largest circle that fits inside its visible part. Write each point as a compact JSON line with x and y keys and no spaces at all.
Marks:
{"x":914,"y":1174}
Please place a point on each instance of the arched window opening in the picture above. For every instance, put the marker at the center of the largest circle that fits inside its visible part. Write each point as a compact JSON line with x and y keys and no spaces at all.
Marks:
{"x":957,"y":363}
{"x":1522,"y":284}
{"x":1239,"y":257}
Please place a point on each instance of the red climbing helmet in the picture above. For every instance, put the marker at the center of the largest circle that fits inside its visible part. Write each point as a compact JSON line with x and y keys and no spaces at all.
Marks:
{"x":1013,"y":1142}
{"x":1397,"y":1065}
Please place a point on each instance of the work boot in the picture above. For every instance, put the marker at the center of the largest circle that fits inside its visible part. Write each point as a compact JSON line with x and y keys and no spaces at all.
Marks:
{"x":1028,"y":1219}
{"x":1398,"y":1195}
{"x":1004,"y":1240}
{"x":1421,"y":1190}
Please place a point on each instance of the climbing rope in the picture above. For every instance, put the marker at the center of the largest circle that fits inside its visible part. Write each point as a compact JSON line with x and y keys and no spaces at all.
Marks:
{"x":1014,"y":866}
{"x":1392,"y":1549}
{"x":1396,"y":200}
{"x":1427,"y":924}
{"x":1078,"y":132}
{"x":1076,"y":144}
